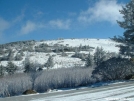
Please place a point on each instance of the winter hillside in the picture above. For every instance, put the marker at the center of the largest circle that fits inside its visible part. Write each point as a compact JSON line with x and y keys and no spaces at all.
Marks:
{"x":62,"y":51}
{"x":38,"y":66}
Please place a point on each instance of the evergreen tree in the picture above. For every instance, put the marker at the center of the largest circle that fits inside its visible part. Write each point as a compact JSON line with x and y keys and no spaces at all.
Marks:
{"x":21,"y":53}
{"x":128,"y":24}
{"x":18,"y":57}
{"x":113,"y":69}
{"x":89,"y":61}
{"x":80,"y":47}
{"x":99,"y":56}
{"x":27,"y":65}
{"x":1,"y":51}
{"x":76,"y":54}
{"x":111,"y":55}
{"x":11,"y":68}
{"x":49,"y":64}
{"x":10,"y":55}
{"x":2,"y":70}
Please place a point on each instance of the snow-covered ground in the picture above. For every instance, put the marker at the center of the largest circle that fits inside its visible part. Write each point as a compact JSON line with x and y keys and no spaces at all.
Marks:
{"x":125,"y":93}
{"x":108,"y":91}
{"x":107,"y":44}
{"x":66,"y":61}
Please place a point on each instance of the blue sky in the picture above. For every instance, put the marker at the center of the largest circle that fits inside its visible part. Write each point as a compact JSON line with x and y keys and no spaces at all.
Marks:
{"x":53,"y":19}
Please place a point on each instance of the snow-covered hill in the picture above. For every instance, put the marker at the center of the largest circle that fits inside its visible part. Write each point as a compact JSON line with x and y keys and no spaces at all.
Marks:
{"x":33,"y":51}
{"x":107,"y":44}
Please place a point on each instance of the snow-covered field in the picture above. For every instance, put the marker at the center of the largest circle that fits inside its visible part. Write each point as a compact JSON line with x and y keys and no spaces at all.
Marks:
{"x":118,"y":93}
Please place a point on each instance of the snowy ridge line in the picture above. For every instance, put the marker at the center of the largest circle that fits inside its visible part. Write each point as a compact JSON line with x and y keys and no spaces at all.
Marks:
{"x":94,"y":90}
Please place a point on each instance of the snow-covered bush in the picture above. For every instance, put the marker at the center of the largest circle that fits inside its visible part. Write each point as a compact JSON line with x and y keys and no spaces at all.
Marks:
{"x":82,"y":56}
{"x":14,"y":85}
{"x":63,"y":78}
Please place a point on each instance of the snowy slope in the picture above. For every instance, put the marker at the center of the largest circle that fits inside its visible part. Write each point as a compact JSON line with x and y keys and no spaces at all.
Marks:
{"x":60,"y":61}
{"x":107,"y":44}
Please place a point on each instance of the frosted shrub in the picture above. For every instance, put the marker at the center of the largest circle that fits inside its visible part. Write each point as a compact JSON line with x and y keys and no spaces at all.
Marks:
{"x":43,"y":81}
{"x":61,"y":78}
{"x":14,"y":85}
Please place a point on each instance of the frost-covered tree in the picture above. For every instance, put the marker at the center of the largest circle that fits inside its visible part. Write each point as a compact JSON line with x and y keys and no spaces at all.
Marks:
{"x":128,"y":24}
{"x":10,"y":55}
{"x":89,"y":61}
{"x":99,"y":56}
{"x":30,"y":49}
{"x":18,"y":57}
{"x":111,"y":55}
{"x":2,"y":70}
{"x":1,"y":51}
{"x":11,"y":68}
{"x":21,"y":53}
{"x":33,"y":75}
{"x":50,"y":63}
{"x":80,"y":47}
{"x":28,"y":66}
{"x":32,"y":70}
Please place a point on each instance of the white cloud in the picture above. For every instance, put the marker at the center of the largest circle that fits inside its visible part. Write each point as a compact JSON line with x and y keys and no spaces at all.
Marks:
{"x":31,"y":26}
{"x":20,"y":17}
{"x":60,"y":24}
{"x":72,"y":14}
{"x":104,"y":10}
{"x":39,"y":13}
{"x":4,"y":25}
{"x":28,"y":27}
